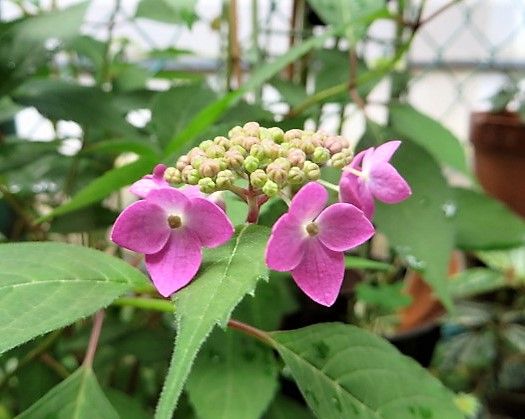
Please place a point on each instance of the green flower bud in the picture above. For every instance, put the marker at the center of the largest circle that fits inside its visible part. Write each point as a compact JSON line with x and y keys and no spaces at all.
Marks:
{"x":196,"y":151}
{"x":321,"y":155}
{"x":264,"y":134}
{"x":209,"y":168}
{"x":249,"y":142}
{"x":190,"y":175}
{"x":318,"y":139}
{"x":206,"y":185}
{"x":172,"y":175}
{"x":270,"y":188}
{"x":338,"y":160}
{"x":205,"y":144}
{"x":197,"y":161}
{"x":215,"y":150}
{"x":234,"y":158}
{"x":182,"y":162}
{"x":348,"y":154}
{"x":296,"y":176}
{"x":251,"y":129}
{"x":285,"y":148}
{"x":258,"y":178}
{"x":311,"y":170}
{"x":222,"y":141}
{"x":223,"y":164}
{"x":251,"y":164}
{"x":277,"y":134}
{"x":296,"y":157}
{"x":257,"y":150}
{"x":236,"y":132}
{"x":277,"y":173}
{"x":307,"y":146}
{"x":283,"y":162}
{"x":240,"y":149}
{"x":237,"y":141}
{"x":271,"y":150}
{"x":293,"y":133}
{"x":224,"y":179}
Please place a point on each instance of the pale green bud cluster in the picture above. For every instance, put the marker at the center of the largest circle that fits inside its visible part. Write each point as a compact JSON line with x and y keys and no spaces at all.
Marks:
{"x":270,"y":159}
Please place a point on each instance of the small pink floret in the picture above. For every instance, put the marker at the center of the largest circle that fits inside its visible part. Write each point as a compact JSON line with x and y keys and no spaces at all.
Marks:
{"x":309,"y":240}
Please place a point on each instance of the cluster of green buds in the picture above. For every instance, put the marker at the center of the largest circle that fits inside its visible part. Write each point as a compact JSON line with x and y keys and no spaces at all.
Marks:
{"x":269,"y":159}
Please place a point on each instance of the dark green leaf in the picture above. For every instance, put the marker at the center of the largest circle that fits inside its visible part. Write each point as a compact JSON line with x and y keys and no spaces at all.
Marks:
{"x":387,"y":296}
{"x":347,"y":372}
{"x":482,"y":223}
{"x":45,"y":286}
{"x":355,"y":262}
{"x":92,"y":218}
{"x":286,"y":408}
{"x":126,"y":406}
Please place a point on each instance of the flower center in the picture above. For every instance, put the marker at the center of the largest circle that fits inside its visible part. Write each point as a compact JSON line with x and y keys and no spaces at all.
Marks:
{"x":174,"y":221}
{"x":312,"y":229}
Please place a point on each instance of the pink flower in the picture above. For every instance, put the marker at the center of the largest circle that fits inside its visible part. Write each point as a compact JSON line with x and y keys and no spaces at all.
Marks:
{"x":369,"y":176}
{"x":144,"y":186}
{"x":171,"y":228}
{"x":309,"y":240}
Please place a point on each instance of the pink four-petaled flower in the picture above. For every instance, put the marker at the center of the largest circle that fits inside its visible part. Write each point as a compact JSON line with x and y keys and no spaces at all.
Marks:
{"x":144,"y":186}
{"x":309,"y":240}
{"x":171,"y":228}
{"x":377,"y":179}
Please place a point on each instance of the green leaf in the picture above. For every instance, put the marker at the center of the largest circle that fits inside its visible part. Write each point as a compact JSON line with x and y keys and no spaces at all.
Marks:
{"x":420,"y":228}
{"x":475,"y":281}
{"x":355,"y":262}
{"x":19,"y":152}
{"x":173,"y":109}
{"x":45,"y":286}
{"x":126,"y":406}
{"x":510,"y":262}
{"x":347,"y":372}
{"x":227,"y":275}
{"x":387,"y":296}
{"x":233,"y":377}
{"x":169,"y":11}
{"x":77,"y":397}
{"x":482,"y":223}
{"x":515,"y":335}
{"x":429,"y":134}
{"x":116,"y":146}
{"x":91,"y":218}
{"x":286,"y":408}
{"x":211,"y":113}
{"x":104,"y":185}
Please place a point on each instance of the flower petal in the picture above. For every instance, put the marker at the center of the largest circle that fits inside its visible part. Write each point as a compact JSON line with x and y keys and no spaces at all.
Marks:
{"x":358,"y":158}
{"x":354,"y":190}
{"x":385,"y":151}
{"x":144,"y":186}
{"x":309,"y":201}
{"x":387,"y":185}
{"x":192,"y":192}
{"x":320,"y":273}
{"x":285,"y":246}
{"x":170,"y":199}
{"x":141,"y":227}
{"x":177,"y":263}
{"x":209,"y":223}
{"x":343,"y":227}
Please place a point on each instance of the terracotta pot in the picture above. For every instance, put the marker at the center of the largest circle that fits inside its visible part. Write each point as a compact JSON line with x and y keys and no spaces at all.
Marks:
{"x":499,"y":156}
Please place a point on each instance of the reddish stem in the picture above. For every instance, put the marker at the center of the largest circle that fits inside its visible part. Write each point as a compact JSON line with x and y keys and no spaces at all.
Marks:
{"x":259,"y":334}
{"x":93,"y":339}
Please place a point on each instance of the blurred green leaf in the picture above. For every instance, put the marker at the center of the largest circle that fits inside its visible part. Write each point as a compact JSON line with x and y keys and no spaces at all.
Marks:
{"x":387,"y":296}
{"x":355,"y":262}
{"x":79,"y":396}
{"x":126,"y":406}
{"x":515,"y":335}
{"x":475,"y":281}
{"x":286,"y":408}
{"x":482,"y":223}
{"x":91,"y":218}
{"x":429,"y":134}
{"x":419,"y":228}
{"x":510,"y":262}
{"x":45,"y":286}
{"x":8,"y":109}
{"x":169,"y":11}
{"x":346,"y":372}
{"x":291,"y":93}
{"x":19,"y":152}
{"x":228,"y":273}
{"x":117,"y":146}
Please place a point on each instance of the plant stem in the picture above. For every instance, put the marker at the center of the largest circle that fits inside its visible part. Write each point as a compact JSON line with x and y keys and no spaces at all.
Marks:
{"x":329,"y":185}
{"x":258,"y":334}
{"x":253,"y":210}
{"x":106,"y":64}
{"x":93,"y":339}
{"x":154,"y":304}
{"x":234,"y":51}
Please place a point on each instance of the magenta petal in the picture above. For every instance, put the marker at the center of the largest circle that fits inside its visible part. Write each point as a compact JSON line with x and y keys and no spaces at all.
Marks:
{"x":385,"y":151}
{"x":354,"y":191}
{"x":320,"y":273}
{"x":285,"y":246}
{"x":192,"y":192}
{"x":170,"y":199}
{"x":343,"y":227}
{"x":144,"y":186}
{"x":210,"y":224}
{"x":358,"y":158}
{"x":141,"y":227}
{"x":177,"y":263}
{"x":309,"y":201}
{"x":387,"y":185}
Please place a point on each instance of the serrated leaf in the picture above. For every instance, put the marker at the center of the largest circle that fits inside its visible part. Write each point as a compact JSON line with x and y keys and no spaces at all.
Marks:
{"x":45,"y":286}
{"x":227,"y":275}
{"x":420,"y":228}
{"x":347,"y":372}
{"x":77,"y":397}
{"x":475,"y":281}
{"x":429,"y":134}
{"x":482,"y":223}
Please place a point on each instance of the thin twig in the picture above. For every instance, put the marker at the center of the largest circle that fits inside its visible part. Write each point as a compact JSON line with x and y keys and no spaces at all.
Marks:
{"x":93,"y":339}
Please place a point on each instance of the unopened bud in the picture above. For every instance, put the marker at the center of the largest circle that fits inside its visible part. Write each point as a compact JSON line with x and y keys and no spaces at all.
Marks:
{"x":293,"y":133}
{"x":334,"y":144}
{"x":338,"y":160}
{"x":271,"y":150}
{"x":257,"y":150}
{"x":190,"y":175}
{"x":224,"y":179}
{"x":237,"y":141}
{"x":172,"y":175}
{"x":209,"y":168}
{"x":236,"y":132}
{"x":215,"y":150}
{"x":196,"y":151}
{"x":270,"y":188}
{"x":277,"y":173}
{"x":251,"y":164}
{"x":311,"y":170}
{"x":182,"y":162}
{"x":249,"y":142}
{"x":197,"y":161}
{"x":207,"y":185}
{"x":285,"y":148}
{"x":240,"y":149}
{"x":251,"y":129}
{"x":264,"y":134}
{"x":205,"y":144}
{"x":307,"y":146}
{"x":318,"y":139}
{"x":234,"y":158}
{"x":282,"y":162}
{"x":223,"y":142}
{"x":258,"y":178}
{"x":296,"y":157}
{"x":321,"y":155}
{"x":277,"y":134}
{"x":296,"y":176}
